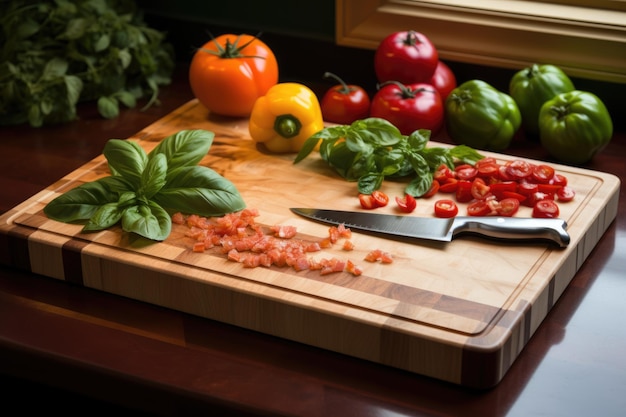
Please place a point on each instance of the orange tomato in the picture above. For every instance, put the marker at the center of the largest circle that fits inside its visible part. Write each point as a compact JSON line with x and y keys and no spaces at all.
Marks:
{"x":228,"y":73}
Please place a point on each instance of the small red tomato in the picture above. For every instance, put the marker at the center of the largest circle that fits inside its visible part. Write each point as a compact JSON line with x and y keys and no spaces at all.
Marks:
{"x":546,"y":209}
{"x":380,"y":198}
{"x":343,"y":103}
{"x":446,"y":208}
{"x":409,"y":107}
{"x":407,"y":203}
{"x":566,"y":193}
{"x":367,"y":201}
{"x":443,"y":80}
{"x":507,"y":207}
{"x":407,"y":57}
{"x":479,"y":208}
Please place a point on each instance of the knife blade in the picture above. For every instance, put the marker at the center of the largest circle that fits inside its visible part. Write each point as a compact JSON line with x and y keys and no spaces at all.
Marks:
{"x":444,"y":230}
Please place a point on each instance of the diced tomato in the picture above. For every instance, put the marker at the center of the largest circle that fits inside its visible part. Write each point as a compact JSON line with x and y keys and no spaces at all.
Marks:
{"x":566,"y":193}
{"x":352,"y":268}
{"x":479,"y":208}
{"x":434,"y":189}
{"x":546,"y":209}
{"x":407,"y":203}
{"x":348,"y":245}
{"x":449,"y":186}
{"x":446,"y":208}
{"x":507,"y":207}
{"x":480,"y":190}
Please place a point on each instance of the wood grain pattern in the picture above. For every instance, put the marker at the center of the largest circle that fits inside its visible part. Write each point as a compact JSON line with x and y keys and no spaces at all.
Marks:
{"x":461,"y":312}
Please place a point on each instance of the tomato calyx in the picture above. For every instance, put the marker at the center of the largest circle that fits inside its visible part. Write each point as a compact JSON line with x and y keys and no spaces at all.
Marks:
{"x":342,"y":88}
{"x":406,"y":92}
{"x":232,"y":50}
{"x":287,"y":126}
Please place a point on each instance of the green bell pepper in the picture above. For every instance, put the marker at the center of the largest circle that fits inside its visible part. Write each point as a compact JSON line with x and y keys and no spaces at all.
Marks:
{"x":533,"y":86}
{"x":574,"y":126}
{"x":480,"y":116}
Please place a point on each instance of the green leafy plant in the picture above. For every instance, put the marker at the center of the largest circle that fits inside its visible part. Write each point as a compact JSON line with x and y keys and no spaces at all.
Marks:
{"x":143,"y":190}
{"x":370,"y":150}
{"x":57,"y":53}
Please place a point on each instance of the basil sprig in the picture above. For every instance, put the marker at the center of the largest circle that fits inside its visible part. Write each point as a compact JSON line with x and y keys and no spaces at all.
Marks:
{"x":143,"y":190}
{"x":372,"y":149}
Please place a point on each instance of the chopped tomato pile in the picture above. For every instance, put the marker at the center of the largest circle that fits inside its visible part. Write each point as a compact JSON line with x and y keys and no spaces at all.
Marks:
{"x":493,"y":188}
{"x":243,"y":240}
{"x":489,"y":188}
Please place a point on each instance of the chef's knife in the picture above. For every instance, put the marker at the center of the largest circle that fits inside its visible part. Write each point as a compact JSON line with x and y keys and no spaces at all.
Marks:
{"x":515,"y":228}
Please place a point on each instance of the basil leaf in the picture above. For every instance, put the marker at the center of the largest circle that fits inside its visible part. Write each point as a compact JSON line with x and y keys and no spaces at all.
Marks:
{"x":106,"y":216}
{"x":466,"y":154}
{"x":127,"y":159}
{"x":437,"y":156}
{"x":369,"y":183}
{"x":184,"y":148}
{"x":153,"y":176}
{"x":419,"y":185}
{"x":82,"y":202}
{"x":148,"y":220}
{"x":419,"y":139}
{"x":199,"y":190}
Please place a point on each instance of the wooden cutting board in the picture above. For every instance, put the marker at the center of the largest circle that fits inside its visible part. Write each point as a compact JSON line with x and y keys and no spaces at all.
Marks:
{"x":461,"y":312}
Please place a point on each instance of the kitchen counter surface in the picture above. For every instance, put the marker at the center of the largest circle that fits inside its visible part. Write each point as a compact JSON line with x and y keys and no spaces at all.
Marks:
{"x":74,"y":347}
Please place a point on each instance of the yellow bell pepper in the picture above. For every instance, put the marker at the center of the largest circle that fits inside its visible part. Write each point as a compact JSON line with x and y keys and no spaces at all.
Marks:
{"x":285,"y":117}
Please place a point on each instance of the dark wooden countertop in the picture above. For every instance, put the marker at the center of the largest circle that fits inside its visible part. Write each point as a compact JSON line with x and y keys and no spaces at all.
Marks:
{"x":74,"y":347}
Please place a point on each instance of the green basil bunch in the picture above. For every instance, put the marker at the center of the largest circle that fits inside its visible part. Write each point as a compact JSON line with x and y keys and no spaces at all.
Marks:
{"x":372,"y":149}
{"x":143,"y":190}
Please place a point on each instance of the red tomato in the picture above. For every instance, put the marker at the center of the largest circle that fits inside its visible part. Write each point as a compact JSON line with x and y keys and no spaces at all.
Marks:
{"x":542,"y":173}
{"x":381,"y":199}
{"x":367,"y":201}
{"x":407,"y":203}
{"x":566,"y":193}
{"x":464,"y":192}
{"x":343,"y":103}
{"x":442,"y":173}
{"x":443,"y":80}
{"x":546,"y":209}
{"x":407,"y":57}
{"x":228,"y":73}
{"x":479,"y":208}
{"x":527,"y":188}
{"x":409,"y":107}
{"x":434,"y":188}
{"x":449,"y":185}
{"x":519,"y":169}
{"x":446,"y":208}
{"x":499,"y":188}
{"x":479,"y":189}
{"x":507,"y":207}
{"x":466,"y":172}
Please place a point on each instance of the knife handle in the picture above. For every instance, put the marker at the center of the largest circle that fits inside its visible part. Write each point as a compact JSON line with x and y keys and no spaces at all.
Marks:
{"x":514,"y":228}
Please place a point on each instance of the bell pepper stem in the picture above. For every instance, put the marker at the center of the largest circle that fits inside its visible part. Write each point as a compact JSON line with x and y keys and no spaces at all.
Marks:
{"x":287,"y":126}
